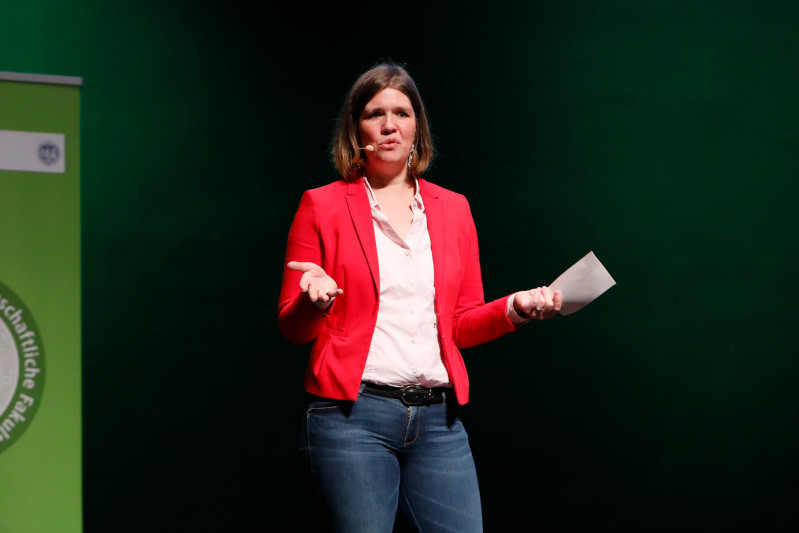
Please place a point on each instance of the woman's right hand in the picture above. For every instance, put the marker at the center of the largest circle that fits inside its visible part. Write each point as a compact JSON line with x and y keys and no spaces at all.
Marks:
{"x":539,"y":303}
{"x":320,"y":287}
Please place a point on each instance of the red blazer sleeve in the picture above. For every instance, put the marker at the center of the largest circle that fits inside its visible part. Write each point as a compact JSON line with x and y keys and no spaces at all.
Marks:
{"x":476,"y":322}
{"x":300,"y":321}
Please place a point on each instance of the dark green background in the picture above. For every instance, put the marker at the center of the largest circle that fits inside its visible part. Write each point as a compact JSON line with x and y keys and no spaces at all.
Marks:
{"x":661,"y":135}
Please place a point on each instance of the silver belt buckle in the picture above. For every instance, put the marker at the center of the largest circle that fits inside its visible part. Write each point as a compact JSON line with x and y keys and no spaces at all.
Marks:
{"x":421,"y":399}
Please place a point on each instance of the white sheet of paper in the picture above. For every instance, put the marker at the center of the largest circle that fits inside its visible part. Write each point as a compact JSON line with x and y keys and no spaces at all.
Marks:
{"x":582,"y":283}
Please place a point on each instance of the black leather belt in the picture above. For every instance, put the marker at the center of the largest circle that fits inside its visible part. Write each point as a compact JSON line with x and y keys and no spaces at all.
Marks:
{"x":409,"y":395}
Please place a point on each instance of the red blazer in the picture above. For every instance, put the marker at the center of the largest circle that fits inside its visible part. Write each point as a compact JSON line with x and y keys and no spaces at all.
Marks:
{"x":333,"y":228}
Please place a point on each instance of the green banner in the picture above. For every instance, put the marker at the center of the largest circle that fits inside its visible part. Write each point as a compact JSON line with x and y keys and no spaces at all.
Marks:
{"x":40,"y":304}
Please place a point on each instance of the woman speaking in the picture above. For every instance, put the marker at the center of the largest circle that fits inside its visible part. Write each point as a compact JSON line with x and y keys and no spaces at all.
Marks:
{"x":383,"y":276}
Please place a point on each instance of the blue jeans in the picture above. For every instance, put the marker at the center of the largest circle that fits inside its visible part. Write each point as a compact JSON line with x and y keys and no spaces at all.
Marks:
{"x":373,"y":456}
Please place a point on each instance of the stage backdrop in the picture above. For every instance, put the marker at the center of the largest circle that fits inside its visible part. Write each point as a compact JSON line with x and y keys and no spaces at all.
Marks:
{"x":40,"y":304}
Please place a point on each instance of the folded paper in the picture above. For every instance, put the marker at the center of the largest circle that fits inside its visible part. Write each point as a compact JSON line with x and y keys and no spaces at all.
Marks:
{"x":582,"y":283}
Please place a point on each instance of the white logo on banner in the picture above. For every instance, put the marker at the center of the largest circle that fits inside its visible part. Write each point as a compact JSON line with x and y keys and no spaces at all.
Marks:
{"x":32,"y":151}
{"x":21,"y":368}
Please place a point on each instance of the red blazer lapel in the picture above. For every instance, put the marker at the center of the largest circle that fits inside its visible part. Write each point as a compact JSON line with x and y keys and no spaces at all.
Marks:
{"x":361,"y":214}
{"x":436,"y":224}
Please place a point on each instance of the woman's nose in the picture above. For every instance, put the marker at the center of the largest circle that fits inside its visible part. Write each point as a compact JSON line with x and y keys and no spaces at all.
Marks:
{"x":388,"y":125}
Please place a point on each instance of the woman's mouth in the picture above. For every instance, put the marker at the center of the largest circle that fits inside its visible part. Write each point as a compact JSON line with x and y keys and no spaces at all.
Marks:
{"x":389,"y":144}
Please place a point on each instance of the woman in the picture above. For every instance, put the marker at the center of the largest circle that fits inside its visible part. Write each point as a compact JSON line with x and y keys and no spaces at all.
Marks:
{"x":383,"y":276}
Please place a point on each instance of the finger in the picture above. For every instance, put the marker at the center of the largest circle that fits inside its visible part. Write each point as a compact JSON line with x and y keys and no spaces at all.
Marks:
{"x":319,"y":295}
{"x":546,"y":292}
{"x":326,"y":296}
{"x":540,"y":299}
{"x":529,"y":301}
{"x":304,"y":266}
{"x":557,"y":301}
{"x":554,"y":304}
{"x":537,"y":302}
{"x":305,"y":283}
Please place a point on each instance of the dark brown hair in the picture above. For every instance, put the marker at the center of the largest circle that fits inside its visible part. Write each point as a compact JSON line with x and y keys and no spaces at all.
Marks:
{"x":347,"y":156}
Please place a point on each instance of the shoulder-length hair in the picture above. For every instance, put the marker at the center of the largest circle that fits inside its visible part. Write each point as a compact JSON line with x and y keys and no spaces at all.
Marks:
{"x":348,"y":157}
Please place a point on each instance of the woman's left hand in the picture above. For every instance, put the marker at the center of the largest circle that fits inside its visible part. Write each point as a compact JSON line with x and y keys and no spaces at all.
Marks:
{"x":539,"y":303}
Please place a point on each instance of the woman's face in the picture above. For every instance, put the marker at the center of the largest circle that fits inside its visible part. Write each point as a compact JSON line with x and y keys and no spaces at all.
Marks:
{"x":389,"y":125}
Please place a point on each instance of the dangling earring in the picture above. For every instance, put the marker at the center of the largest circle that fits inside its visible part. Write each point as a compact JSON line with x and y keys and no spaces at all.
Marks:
{"x":410,"y":156}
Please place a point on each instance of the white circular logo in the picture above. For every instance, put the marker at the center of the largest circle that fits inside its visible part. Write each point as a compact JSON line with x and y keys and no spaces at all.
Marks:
{"x":22,"y":367}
